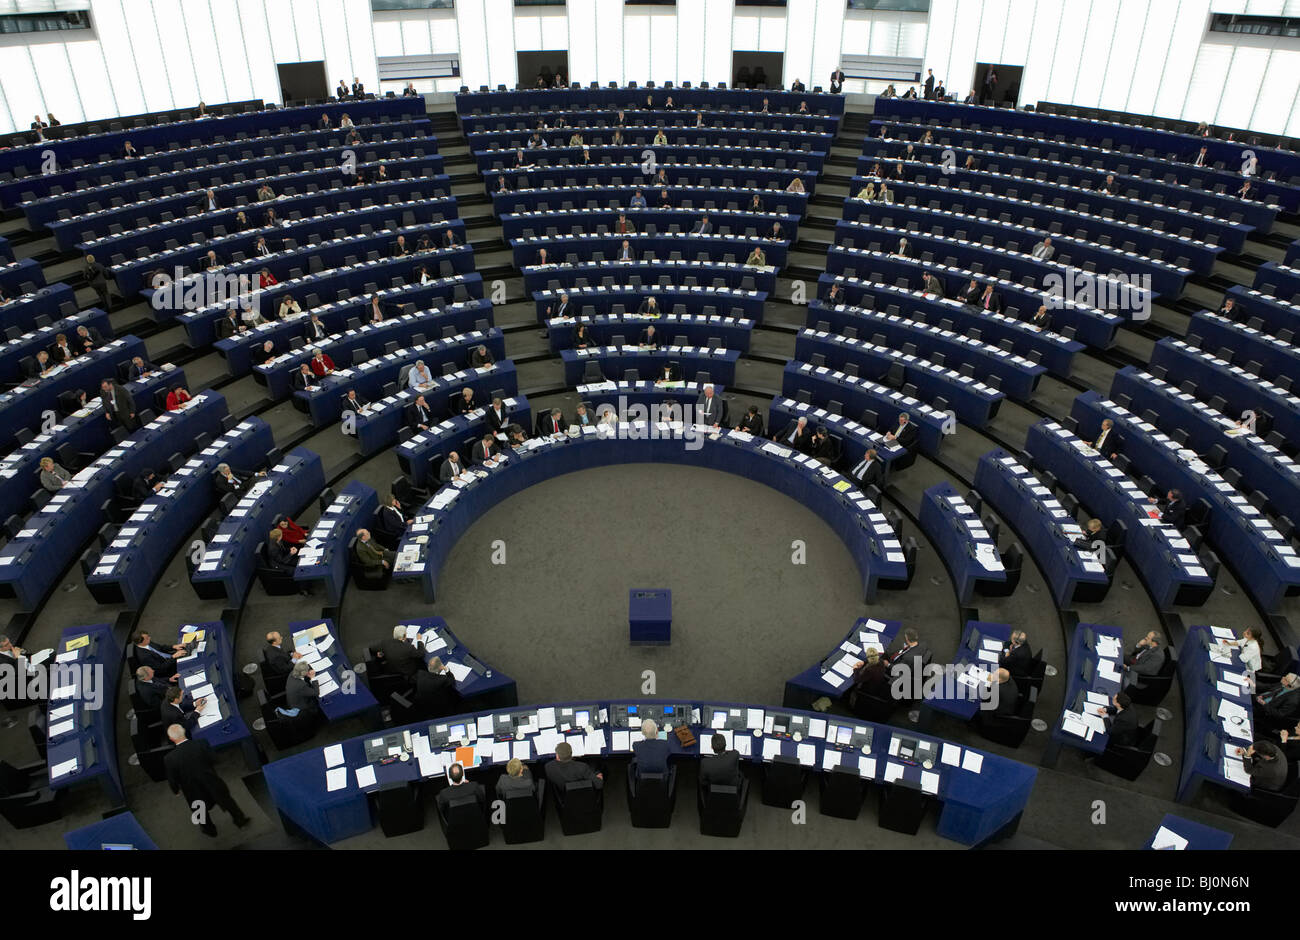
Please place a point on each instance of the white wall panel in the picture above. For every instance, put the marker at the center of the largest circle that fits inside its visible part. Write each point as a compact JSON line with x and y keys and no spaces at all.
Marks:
{"x":1149,"y":61}
{"x":692,"y":25}
{"x":1189,"y":18}
{"x":800,"y":26}
{"x":209,"y":68}
{"x":828,"y":38}
{"x":1243,"y":82}
{"x":1278,"y":104}
{"x":583,"y":45}
{"x":992,"y":31}
{"x":1205,"y":91}
{"x":1126,"y":41}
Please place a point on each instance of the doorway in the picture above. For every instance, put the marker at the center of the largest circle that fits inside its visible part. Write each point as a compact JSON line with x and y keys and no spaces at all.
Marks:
{"x":758,"y":69}
{"x":542,"y":67}
{"x":302,"y":81}
{"x":996,"y":85}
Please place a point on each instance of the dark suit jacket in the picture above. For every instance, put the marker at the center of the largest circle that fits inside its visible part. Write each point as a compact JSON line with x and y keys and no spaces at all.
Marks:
{"x":651,"y":756}
{"x":553,"y":425}
{"x":993,"y":304}
{"x":752,"y":425}
{"x":1147,"y":660}
{"x":401,"y":657}
{"x":708,"y":410}
{"x":905,"y":436}
{"x":483,"y":452}
{"x":192,"y":772}
{"x":801,"y":440}
{"x":157,"y":660}
{"x":446,"y":471}
{"x":389,"y":521}
{"x":460,"y":406}
{"x":151,"y":693}
{"x":171,"y":715}
{"x":1175,"y":513}
{"x":435,"y":695}
{"x":302,"y":695}
{"x":415,"y":415}
{"x":559,"y":772}
{"x":497,"y":422}
{"x":1121,"y":728}
{"x":467,"y":788}
{"x":1016,"y":660}
{"x":118,"y":401}
{"x":299,"y":382}
{"x":226,"y":327}
{"x":229,"y":484}
{"x":721,"y":769}
{"x":871,"y":474}
{"x":277,"y":659}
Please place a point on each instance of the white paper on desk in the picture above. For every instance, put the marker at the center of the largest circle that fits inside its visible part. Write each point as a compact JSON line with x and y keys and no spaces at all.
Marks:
{"x":337,"y":778}
{"x":366,"y":776}
{"x":988,"y":656}
{"x":929,"y":782}
{"x":522,"y":749}
{"x":63,"y":727}
{"x":333,"y":755}
{"x":204,"y":691}
{"x":830,"y":758}
{"x":431,"y":763}
{"x":771,"y":748}
{"x":753,"y":718}
{"x":1168,"y":839}
{"x":817,"y":728}
{"x":1073,"y":723}
{"x":460,"y":671}
{"x":893,"y":771}
{"x":621,"y":742}
{"x":834,"y":679}
{"x":207,"y":718}
{"x":1235,"y":771}
{"x":972,"y":761}
{"x":63,"y":711}
{"x":63,"y":769}
{"x":484,"y":725}
{"x":807,"y":754}
{"x":744,"y":745}
{"x":950,"y":755}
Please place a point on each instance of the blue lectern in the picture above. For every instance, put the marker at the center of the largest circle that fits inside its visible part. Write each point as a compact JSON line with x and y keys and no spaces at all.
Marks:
{"x":650,"y":616}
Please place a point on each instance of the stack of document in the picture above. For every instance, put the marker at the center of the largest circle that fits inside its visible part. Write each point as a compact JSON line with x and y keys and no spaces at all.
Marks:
{"x":1168,"y":839}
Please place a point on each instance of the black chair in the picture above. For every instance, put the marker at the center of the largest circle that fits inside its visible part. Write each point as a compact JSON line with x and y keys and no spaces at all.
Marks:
{"x":25,"y":800}
{"x":783,"y":782}
{"x":580,"y":807}
{"x":651,"y":798}
{"x":365,"y":578}
{"x":526,"y":817}
{"x":400,"y":808}
{"x":286,"y":731}
{"x":464,"y":822}
{"x":901,"y":808}
{"x":842,"y":792}
{"x":1269,"y":807}
{"x":1151,"y":690}
{"x":722,"y":809}
{"x":1128,"y":761}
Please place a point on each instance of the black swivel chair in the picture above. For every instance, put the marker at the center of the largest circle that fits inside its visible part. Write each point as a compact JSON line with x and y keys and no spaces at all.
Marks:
{"x":783,"y":782}
{"x":1269,"y":807}
{"x":464,"y":822}
{"x":400,"y":808}
{"x":722,"y":809}
{"x":842,"y":793}
{"x":651,"y":798}
{"x":1128,"y":761}
{"x":526,"y":816}
{"x":580,"y":807}
{"x":1151,"y":690}
{"x":25,"y":800}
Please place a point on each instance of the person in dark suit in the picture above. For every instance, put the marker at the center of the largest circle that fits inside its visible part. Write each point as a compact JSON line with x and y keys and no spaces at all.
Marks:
{"x":148,"y":653}
{"x":227,"y":481}
{"x":451,"y":468}
{"x":796,"y":434}
{"x":870,"y":679}
{"x":971,"y":295}
{"x":354,"y":401}
{"x":300,"y":691}
{"x":176,"y":709}
{"x":1107,"y":441}
{"x":316,"y":331}
{"x":435,"y":695}
{"x":145,"y":485}
{"x":400,"y":656}
{"x":990,"y":300}
{"x":419,"y":414}
{"x":460,"y":787}
{"x":151,"y":689}
{"x":703,"y":227}
{"x":342,"y":91}
{"x":390,"y":523}
{"x":907,"y":662}
{"x":1093,"y":532}
{"x":821,"y":446}
{"x":484,"y":450}
{"x":905,"y":433}
{"x":276,"y":660}
{"x":555,"y":423}
{"x":1146,"y":659}
{"x":1174,"y":510}
{"x":868,"y":471}
{"x":228,"y":325}
{"x":465,"y":403}
{"x":1121,"y":721}
{"x":481,"y":357}
{"x":192,"y":772}
{"x":1266,"y":765}
{"x":303,"y":379}
{"x":583,"y":418}
{"x":1279,"y":706}
{"x":118,"y":406}
{"x":564,"y":769}
{"x":516,"y":781}
{"x":708,"y":408}
{"x":1016,"y":655}
{"x":62,"y":351}
{"x":722,"y":768}
{"x":752,"y":423}
{"x":929,"y":84}
{"x":668,"y":372}
{"x":280,"y":555}
{"x":1003,"y":686}
{"x":140,"y":369}
{"x":837,"y":81}
{"x":97,"y":276}
{"x":358,"y":89}
{"x":650,"y":754}
{"x":496,"y":415}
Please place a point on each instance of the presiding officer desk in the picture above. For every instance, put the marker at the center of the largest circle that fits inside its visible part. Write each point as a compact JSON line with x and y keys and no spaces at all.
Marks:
{"x":456,"y":506}
{"x":1263,"y":560}
{"x":615,"y":362}
{"x":79,"y":724}
{"x":324,"y":792}
{"x":33,"y":560}
{"x":230,"y":559}
{"x":780,"y":104}
{"x":130,"y":565}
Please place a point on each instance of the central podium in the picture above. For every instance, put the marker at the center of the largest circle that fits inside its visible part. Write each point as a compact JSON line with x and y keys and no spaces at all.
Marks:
{"x":650,"y":616}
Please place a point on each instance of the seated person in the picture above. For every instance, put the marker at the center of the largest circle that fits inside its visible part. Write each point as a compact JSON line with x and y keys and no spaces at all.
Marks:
{"x":496,"y":414}
{"x":304,"y":379}
{"x":452,"y":468}
{"x":279,"y":554}
{"x":650,"y":754}
{"x":419,"y":376}
{"x":371,"y":555}
{"x":554,"y":423}
{"x":752,"y":423}
{"x":870,"y":679}
{"x":52,"y":476}
{"x":419,"y":414}
{"x":390,"y":523}
{"x":161,"y":661}
{"x":355,"y":402}
{"x":797,"y":434}
{"x":722,"y":767}
{"x":905,"y":433}
{"x":321,"y":364}
{"x":177,"y":397}
{"x":1093,"y":533}
{"x":485,"y":450}
{"x":466,"y":402}
{"x":300,"y":691}
{"x":434,"y":694}
{"x":481,"y":357}
{"x":516,"y":781}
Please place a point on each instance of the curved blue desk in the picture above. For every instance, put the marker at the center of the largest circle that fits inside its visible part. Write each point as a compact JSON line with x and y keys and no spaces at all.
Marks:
{"x":323,"y":558}
{"x":122,"y":830}
{"x":1212,"y":734}
{"x":318,"y":642}
{"x":478,"y":684}
{"x":956,"y":530}
{"x":80,"y":716}
{"x":420,"y":456}
{"x":615,"y":362}
{"x":833,"y":674}
{"x":683,"y":299}
{"x":696,"y":329}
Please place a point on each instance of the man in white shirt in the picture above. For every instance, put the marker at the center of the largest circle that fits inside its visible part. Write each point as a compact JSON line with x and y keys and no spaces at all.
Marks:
{"x":420,"y":376}
{"x":1043,"y":251}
